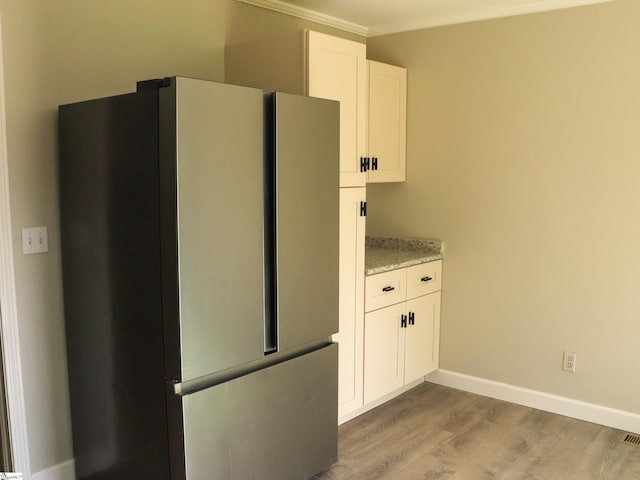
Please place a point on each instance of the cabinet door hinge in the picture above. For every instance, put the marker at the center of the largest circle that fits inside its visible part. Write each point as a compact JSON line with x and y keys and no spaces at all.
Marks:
{"x":363,"y":209}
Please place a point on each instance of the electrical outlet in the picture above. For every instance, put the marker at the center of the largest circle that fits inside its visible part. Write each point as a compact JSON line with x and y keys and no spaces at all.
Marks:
{"x":35,"y":240}
{"x":569,"y":362}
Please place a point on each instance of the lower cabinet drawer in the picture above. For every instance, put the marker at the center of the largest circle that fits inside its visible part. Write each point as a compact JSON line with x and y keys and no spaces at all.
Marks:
{"x":385,"y":289}
{"x":424,"y":279}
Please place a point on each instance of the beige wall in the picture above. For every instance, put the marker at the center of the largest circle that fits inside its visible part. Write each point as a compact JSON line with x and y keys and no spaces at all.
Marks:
{"x":66,"y":51}
{"x":58,"y":52}
{"x":524,"y":156}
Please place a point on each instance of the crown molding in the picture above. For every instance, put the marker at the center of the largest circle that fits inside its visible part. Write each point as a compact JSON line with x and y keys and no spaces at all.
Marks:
{"x":479,"y":14}
{"x":306,"y":14}
{"x":534,"y":6}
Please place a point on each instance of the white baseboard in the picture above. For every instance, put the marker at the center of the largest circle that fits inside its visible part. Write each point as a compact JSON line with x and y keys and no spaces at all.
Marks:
{"x":568,"y":407}
{"x":62,"y":471}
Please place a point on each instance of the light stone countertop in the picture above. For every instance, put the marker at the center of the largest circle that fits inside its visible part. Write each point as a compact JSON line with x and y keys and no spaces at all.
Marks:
{"x":389,"y":253}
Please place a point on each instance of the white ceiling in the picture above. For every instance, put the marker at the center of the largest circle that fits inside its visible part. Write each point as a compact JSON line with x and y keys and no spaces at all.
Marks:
{"x":379,"y":17}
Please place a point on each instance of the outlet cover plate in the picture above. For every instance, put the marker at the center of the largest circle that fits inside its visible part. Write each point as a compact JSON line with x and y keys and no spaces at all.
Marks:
{"x":569,"y":362}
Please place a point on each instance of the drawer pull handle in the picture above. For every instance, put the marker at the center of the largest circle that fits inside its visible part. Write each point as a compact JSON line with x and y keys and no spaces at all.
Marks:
{"x":388,"y":289}
{"x":426,"y":279}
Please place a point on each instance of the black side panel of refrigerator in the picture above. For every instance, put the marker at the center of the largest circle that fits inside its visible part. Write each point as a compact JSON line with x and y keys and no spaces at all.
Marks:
{"x":109,"y":202}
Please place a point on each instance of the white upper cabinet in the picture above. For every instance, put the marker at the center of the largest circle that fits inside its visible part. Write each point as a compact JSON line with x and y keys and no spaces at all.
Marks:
{"x":337,"y":71}
{"x":387,"y":122}
{"x":372,"y":95}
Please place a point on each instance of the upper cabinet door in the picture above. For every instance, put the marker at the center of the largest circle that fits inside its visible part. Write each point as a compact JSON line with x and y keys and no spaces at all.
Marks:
{"x":387,"y":122}
{"x":337,"y":70}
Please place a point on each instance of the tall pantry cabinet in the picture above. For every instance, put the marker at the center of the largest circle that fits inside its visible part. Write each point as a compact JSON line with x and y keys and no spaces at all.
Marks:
{"x":319,"y":65}
{"x":350,"y":336}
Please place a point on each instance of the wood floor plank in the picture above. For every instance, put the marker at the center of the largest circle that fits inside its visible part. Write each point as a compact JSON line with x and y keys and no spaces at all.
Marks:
{"x":434,"y":432}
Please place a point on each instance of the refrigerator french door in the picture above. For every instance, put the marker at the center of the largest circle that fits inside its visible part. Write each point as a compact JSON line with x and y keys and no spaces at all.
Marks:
{"x":200,"y":262}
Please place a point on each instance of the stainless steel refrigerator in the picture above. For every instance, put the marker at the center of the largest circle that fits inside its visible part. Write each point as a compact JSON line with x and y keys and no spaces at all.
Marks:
{"x":199,"y":229}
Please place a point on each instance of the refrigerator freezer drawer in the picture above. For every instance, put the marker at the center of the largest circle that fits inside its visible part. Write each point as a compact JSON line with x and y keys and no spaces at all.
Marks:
{"x":279,"y":423}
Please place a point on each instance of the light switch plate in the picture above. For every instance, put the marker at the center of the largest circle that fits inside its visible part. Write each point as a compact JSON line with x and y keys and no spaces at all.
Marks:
{"x":35,"y":240}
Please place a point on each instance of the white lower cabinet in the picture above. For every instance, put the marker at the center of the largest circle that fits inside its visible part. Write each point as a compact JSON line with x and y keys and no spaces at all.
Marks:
{"x":384,"y":347}
{"x":422,"y":337}
{"x":402,"y":328}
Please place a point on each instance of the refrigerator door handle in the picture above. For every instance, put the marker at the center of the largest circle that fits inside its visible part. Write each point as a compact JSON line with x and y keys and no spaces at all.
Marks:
{"x":177,"y":387}
{"x":187,"y":387}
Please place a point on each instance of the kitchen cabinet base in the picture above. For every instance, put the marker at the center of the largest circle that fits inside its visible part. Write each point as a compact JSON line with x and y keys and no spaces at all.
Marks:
{"x":379,"y":401}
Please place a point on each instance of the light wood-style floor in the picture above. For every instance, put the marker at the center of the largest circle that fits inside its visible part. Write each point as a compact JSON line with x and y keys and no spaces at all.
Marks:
{"x":435,"y":432}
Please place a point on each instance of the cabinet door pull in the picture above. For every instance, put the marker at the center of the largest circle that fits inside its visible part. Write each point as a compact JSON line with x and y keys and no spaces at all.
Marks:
{"x":374,"y":163}
{"x":388,"y":289}
{"x":403,"y":321}
{"x":426,"y":279}
{"x":412,"y":318}
{"x":363,"y":164}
